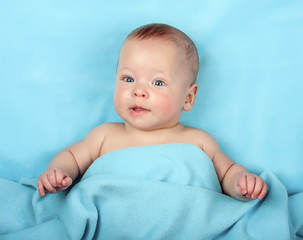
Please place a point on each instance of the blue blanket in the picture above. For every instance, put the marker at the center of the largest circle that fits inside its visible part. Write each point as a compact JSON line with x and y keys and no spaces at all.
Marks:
{"x":152,"y":192}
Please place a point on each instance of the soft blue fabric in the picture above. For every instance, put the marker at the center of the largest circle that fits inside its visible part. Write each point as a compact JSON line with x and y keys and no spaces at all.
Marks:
{"x":150,"y":192}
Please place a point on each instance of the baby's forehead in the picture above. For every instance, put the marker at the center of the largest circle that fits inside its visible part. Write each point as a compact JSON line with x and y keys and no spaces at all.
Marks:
{"x":166,"y":42}
{"x":179,"y":56}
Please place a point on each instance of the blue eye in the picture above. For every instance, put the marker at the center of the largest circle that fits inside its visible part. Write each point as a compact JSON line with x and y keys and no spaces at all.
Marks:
{"x":128,"y":79}
{"x":159,"y":83}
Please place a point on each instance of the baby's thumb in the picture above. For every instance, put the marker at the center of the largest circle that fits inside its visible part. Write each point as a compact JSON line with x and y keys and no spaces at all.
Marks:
{"x":67,"y":181}
{"x":240,"y":189}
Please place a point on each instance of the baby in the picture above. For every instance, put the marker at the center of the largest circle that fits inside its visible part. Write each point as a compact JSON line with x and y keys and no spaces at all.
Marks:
{"x":155,"y":82}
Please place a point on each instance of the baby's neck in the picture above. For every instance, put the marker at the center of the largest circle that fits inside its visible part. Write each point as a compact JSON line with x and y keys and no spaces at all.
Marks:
{"x":153,"y":133}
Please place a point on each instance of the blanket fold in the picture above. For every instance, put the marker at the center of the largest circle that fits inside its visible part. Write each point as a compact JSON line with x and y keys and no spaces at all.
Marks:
{"x":151,"y":192}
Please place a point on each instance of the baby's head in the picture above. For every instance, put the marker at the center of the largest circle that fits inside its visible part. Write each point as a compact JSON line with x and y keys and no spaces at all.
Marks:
{"x":155,"y":78}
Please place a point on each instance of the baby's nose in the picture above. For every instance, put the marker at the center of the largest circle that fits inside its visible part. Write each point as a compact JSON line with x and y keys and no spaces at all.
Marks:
{"x":140,"y":92}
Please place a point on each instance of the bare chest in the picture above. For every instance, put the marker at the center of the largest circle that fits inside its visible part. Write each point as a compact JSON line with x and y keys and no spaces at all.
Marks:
{"x":121,"y":141}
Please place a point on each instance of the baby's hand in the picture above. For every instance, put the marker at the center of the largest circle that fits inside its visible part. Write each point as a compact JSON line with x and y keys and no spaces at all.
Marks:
{"x":53,"y":180}
{"x":250,"y":186}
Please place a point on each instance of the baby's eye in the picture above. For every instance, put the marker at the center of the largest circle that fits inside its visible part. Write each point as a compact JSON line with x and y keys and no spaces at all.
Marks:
{"x":159,"y":83}
{"x":128,"y":79}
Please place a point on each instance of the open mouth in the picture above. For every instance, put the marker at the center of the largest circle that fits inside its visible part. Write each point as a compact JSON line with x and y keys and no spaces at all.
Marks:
{"x":138,"y":110}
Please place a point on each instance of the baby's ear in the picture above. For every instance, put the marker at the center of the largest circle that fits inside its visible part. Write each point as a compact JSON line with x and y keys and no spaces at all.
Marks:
{"x":190,"y":97}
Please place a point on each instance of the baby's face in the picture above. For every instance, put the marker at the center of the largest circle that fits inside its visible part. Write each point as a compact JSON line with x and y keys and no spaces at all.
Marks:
{"x":151,"y":84}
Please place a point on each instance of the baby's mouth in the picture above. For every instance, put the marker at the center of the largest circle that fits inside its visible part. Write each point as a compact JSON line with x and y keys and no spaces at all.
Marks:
{"x":138,"y":109}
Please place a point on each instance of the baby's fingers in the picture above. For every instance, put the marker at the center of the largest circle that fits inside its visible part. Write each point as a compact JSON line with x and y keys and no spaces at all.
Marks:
{"x":51,"y":175}
{"x":63,"y":180}
{"x":67,"y":181}
{"x":241,"y":185}
{"x":251,"y":183}
{"x":263,"y":192}
{"x":258,"y":185}
{"x":47,"y":185}
{"x":59,"y":177}
{"x":41,"y":188}
{"x":251,"y":186}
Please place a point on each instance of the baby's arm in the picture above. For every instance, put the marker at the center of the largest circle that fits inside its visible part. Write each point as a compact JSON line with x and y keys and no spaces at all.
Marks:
{"x":240,"y":184}
{"x":235,"y":180}
{"x":72,"y":162}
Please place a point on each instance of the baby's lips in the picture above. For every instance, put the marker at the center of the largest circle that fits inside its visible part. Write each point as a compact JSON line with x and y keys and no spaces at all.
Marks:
{"x":138,"y":108}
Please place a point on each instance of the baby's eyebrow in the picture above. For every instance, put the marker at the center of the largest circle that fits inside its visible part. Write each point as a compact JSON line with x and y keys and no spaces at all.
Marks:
{"x":163,"y":74}
{"x":126,"y":69}
{"x":156,"y":73}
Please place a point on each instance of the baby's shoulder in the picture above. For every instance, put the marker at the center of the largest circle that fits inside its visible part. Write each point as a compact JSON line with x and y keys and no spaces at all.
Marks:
{"x":106,"y":128}
{"x":197,"y":133}
{"x":99,"y":134}
{"x":201,"y":138}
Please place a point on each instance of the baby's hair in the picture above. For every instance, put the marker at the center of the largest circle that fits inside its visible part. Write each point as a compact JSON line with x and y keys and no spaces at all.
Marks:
{"x":179,"y":38}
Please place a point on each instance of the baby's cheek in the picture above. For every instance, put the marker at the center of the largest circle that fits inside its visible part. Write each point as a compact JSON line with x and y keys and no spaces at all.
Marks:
{"x":118,"y":101}
{"x":167,"y":106}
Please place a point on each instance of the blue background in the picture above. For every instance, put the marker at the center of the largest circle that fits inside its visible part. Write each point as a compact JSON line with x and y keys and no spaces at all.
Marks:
{"x":58,"y":60}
